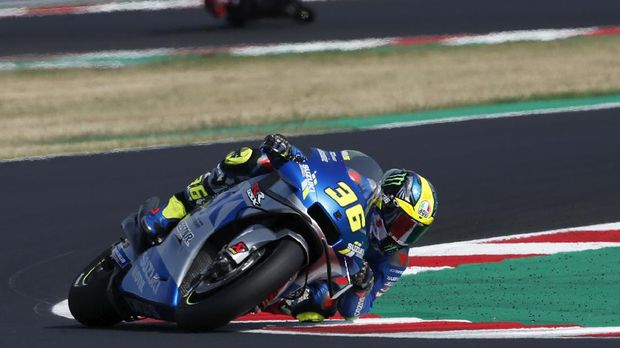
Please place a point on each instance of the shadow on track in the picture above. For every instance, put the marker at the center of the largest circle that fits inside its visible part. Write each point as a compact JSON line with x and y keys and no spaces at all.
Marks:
{"x":169,"y":327}
{"x":265,"y":25}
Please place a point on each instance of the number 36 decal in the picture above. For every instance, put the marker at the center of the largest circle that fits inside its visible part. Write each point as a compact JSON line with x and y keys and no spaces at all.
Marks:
{"x":344,"y":196}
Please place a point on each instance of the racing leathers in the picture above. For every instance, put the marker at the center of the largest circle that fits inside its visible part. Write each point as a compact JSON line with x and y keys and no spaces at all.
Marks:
{"x":383,"y":265}
{"x":387,"y":264}
{"x":236,"y":167}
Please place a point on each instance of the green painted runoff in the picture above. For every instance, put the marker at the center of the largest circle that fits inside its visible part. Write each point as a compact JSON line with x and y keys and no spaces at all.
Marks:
{"x":567,"y":288}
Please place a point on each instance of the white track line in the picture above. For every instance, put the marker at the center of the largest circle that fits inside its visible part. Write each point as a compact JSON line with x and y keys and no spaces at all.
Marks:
{"x":614,"y":226}
{"x":519,"y":35}
{"x":466,"y":249}
{"x":570,"y":332}
{"x":313,"y":46}
{"x":472,"y":117}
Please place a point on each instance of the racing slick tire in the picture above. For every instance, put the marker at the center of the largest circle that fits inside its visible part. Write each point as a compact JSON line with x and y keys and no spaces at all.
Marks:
{"x":277,"y":266}
{"x":88,"y":296}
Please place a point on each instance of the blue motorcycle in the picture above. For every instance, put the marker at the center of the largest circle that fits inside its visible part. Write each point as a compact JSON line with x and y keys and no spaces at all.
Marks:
{"x":258,"y":243}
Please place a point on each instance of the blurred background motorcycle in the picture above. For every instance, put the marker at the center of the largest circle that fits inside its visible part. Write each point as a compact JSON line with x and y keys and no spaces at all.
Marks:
{"x":239,"y":12}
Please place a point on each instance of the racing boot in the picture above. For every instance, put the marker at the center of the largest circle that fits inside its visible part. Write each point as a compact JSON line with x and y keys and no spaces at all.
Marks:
{"x":314,"y":305}
{"x":160,"y":221}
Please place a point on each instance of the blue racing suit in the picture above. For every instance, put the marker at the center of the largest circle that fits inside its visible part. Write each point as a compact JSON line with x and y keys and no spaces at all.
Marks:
{"x":387,"y":267}
{"x":237,"y":166}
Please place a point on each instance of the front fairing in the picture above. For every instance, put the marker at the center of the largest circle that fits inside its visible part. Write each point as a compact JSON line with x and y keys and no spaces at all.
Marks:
{"x":323,"y":180}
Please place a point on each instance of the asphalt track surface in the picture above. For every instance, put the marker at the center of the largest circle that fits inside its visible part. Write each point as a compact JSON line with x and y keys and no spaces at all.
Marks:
{"x":336,"y":20}
{"x":494,"y":177}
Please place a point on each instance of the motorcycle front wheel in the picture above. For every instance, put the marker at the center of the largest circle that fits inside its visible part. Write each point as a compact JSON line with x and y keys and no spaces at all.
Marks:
{"x":88,"y":297}
{"x":280,"y":263}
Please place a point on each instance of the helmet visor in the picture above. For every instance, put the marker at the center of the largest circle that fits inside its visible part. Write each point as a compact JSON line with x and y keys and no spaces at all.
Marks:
{"x":404,"y":229}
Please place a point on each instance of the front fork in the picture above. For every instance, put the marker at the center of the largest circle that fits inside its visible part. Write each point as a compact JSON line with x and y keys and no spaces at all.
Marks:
{"x":121,"y":254}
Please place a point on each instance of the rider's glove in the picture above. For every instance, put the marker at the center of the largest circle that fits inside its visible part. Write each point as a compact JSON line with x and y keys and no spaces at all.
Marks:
{"x":364,"y":279}
{"x":156,"y":226}
{"x":277,"y":144}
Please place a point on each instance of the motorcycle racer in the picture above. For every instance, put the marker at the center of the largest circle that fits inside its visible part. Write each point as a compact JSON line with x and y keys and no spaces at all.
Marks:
{"x":238,"y":12}
{"x":403,"y":213}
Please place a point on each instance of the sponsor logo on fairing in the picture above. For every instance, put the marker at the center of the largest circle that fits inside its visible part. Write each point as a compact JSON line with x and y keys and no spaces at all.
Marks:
{"x":138,"y":279}
{"x":119,"y":256}
{"x":255,"y":195}
{"x":184,"y":233}
{"x":309,"y":183}
{"x":323,"y":156}
{"x":152,"y":278}
{"x":333,"y":156}
{"x":238,"y":248}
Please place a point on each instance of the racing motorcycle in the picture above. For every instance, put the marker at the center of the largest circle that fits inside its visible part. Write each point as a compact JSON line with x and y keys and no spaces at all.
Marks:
{"x":250,"y":247}
{"x":239,"y":12}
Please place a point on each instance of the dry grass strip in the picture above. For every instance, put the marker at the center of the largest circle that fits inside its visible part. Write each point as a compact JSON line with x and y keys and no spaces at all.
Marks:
{"x":38,"y":109}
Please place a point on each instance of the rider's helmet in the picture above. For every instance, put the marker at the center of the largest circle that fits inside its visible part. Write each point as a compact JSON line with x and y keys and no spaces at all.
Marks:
{"x":408,"y":205}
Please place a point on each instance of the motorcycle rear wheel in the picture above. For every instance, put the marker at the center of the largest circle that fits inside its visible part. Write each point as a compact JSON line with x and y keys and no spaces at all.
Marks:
{"x":245,"y":292}
{"x":88,"y":298}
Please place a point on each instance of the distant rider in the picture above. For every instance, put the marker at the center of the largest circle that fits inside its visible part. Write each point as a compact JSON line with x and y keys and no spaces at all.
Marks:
{"x":238,"y":12}
{"x":404,"y":211}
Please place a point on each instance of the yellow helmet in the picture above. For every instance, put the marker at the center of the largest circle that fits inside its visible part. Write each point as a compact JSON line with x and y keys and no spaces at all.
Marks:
{"x":408,"y":205}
